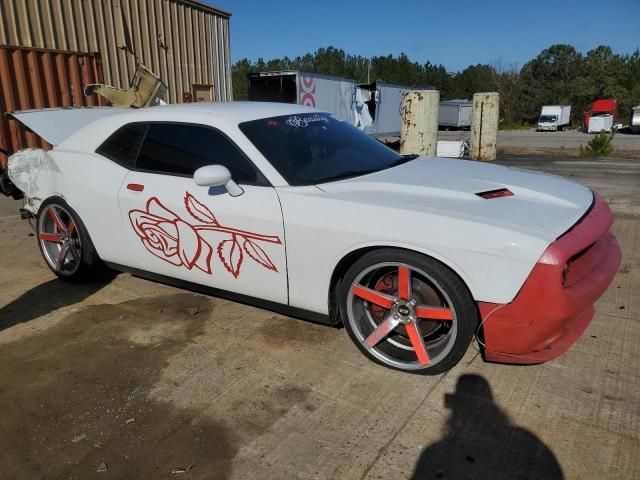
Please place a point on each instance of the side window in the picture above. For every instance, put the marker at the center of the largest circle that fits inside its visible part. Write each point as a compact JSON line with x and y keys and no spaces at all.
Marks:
{"x":123,"y":145}
{"x":182,"y":149}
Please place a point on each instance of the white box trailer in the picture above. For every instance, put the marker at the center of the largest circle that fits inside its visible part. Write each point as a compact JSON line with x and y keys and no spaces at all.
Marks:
{"x":601,"y":123}
{"x":554,"y":118}
{"x":383,"y":101}
{"x":374,"y":107}
{"x":634,"y":120}
{"x":455,"y":113}
{"x":329,"y":93}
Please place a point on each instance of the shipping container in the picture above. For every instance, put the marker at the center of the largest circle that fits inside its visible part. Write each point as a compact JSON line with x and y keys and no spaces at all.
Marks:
{"x":455,"y":114}
{"x":33,"y":78}
{"x":184,"y":42}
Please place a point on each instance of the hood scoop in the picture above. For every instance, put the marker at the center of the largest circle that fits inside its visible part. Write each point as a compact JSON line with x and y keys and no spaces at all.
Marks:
{"x":500,"y":192}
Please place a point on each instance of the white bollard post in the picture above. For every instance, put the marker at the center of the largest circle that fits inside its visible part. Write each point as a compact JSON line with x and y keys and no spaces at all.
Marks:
{"x":484,"y":126}
{"x":419,"y":129}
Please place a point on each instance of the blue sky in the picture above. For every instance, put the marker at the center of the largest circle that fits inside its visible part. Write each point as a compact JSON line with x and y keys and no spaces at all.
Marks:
{"x":456,"y":33}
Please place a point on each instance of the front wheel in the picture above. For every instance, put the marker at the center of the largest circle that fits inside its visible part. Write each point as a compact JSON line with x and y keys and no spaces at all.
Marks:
{"x":64,"y":241}
{"x":407,"y":311}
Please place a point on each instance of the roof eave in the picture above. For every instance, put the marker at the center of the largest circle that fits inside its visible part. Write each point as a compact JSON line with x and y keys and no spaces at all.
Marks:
{"x":206,"y":7}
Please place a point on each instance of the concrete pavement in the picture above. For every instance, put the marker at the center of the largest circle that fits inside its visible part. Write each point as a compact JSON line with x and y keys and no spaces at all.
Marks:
{"x":151,"y":380}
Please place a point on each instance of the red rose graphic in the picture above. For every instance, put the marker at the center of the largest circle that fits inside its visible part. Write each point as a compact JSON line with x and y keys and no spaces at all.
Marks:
{"x":172,"y":239}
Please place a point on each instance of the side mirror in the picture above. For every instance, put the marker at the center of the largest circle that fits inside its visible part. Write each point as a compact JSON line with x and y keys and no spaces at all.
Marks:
{"x":216,"y":176}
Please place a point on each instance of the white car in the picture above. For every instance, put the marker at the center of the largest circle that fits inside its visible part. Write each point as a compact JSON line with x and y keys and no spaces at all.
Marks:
{"x":291,"y":209}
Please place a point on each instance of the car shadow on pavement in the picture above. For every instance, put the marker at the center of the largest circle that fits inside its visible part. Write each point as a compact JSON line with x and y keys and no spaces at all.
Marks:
{"x":47,"y":297}
{"x":481,"y":442}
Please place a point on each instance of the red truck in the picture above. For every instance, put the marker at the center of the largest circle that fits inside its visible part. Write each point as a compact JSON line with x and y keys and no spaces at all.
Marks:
{"x":601,"y":108}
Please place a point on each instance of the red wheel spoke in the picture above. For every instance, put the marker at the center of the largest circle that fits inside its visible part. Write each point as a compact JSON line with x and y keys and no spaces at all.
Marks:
{"x":404,"y":283}
{"x":373,"y":296}
{"x":56,"y":219}
{"x":71,"y":229}
{"x":417,"y":343}
{"x":434,"y":313}
{"x":51,"y":237}
{"x":384,"y":329}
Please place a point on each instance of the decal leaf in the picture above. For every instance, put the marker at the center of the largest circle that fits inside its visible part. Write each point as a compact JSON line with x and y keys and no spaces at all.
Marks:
{"x":189,"y":244}
{"x":230,"y":253}
{"x":156,"y":208}
{"x":203,"y":262}
{"x":199,"y":210}
{"x":257,"y":253}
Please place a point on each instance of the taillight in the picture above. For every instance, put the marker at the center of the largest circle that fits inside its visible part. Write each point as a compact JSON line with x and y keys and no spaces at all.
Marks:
{"x":500,"y":192}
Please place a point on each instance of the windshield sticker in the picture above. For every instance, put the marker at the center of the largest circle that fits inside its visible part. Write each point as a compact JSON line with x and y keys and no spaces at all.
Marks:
{"x":296,"y":121}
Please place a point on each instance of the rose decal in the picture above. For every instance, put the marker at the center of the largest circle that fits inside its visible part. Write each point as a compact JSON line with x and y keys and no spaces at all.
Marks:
{"x":180,"y":243}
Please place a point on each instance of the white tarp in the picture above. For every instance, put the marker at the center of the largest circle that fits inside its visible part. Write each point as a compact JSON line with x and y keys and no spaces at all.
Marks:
{"x":328,"y":94}
{"x":363,"y":117}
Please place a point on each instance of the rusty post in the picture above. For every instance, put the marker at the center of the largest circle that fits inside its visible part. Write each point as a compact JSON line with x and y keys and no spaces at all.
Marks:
{"x":484,"y":126}
{"x":419,"y":129}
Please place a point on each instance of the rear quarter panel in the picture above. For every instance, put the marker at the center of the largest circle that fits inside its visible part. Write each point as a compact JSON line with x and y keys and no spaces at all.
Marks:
{"x":90,"y":183}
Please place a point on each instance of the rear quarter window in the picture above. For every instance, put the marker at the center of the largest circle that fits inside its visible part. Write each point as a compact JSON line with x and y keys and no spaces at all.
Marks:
{"x":124,"y":144}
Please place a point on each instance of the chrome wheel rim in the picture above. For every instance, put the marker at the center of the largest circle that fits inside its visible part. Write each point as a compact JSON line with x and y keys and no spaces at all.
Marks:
{"x":60,"y":240}
{"x":402,"y":316}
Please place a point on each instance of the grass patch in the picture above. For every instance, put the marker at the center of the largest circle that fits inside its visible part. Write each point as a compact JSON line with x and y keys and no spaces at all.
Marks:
{"x":599,"y":146}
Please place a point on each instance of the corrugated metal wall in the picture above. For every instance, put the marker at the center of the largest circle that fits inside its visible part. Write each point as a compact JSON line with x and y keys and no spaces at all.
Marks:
{"x":38,"y":78}
{"x":182,"y":41}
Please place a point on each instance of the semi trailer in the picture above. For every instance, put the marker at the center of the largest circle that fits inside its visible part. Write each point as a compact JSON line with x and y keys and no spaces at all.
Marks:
{"x":605,"y":108}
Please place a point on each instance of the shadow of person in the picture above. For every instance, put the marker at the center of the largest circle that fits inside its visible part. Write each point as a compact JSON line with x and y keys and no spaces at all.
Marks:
{"x":481,"y":442}
{"x":47,"y":297}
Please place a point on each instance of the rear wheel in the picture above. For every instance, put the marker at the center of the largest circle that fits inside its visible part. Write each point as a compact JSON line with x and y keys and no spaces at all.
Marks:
{"x":64,"y":241}
{"x":407,"y":311}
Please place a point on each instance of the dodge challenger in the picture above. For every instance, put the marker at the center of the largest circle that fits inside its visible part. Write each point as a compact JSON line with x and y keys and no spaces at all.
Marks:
{"x":293,"y":210}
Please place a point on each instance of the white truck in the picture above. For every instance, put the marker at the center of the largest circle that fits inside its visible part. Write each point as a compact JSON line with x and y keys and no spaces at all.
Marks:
{"x":554,"y":118}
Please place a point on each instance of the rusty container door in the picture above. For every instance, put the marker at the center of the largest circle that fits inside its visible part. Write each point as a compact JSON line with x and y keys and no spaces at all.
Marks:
{"x":33,"y":78}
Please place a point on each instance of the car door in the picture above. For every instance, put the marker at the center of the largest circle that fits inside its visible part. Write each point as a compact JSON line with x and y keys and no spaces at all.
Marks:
{"x":202,"y":234}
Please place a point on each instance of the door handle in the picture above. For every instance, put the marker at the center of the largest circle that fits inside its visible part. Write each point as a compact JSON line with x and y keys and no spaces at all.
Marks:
{"x":136,"y":187}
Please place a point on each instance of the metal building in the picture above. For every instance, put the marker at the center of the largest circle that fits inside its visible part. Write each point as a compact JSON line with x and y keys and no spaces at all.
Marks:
{"x":184,"y":42}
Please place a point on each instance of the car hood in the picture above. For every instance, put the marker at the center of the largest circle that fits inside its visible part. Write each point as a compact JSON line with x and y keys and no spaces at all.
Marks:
{"x":544,"y":204}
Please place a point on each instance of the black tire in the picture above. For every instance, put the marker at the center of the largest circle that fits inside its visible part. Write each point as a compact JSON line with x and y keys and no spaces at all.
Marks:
{"x":81,"y":261}
{"x":434,"y":291}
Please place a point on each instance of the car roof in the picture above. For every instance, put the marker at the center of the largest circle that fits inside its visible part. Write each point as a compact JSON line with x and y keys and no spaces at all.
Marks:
{"x":57,"y":125}
{"x":239,"y":111}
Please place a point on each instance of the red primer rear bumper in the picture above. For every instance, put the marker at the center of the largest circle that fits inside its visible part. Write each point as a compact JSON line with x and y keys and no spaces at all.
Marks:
{"x":555,"y":306}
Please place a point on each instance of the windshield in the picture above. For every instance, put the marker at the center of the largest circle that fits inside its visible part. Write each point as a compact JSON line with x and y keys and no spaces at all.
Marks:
{"x":312,"y":148}
{"x":600,"y":114}
{"x":547,"y":118}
